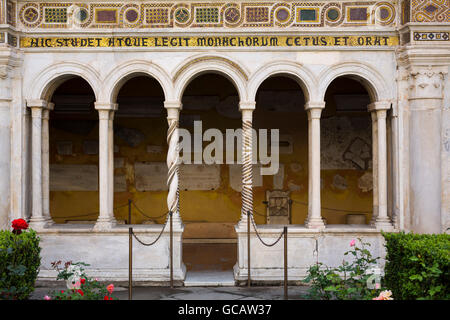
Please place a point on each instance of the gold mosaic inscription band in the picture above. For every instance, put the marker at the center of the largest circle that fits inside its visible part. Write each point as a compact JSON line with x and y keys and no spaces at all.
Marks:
{"x":218,"y":41}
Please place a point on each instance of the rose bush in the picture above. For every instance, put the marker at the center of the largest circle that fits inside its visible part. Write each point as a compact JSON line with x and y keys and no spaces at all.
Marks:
{"x":79,"y":285}
{"x":19,"y":261}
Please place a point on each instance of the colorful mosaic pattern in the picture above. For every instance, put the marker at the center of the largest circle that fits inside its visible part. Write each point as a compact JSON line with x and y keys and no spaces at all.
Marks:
{"x":244,"y":14}
{"x":430,"y":10}
{"x":431,"y":36}
{"x":55,"y":15}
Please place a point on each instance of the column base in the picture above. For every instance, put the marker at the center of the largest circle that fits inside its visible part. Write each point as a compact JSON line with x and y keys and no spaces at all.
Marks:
{"x":315,"y":223}
{"x":383,"y":224}
{"x":104,"y":224}
{"x":38,"y":224}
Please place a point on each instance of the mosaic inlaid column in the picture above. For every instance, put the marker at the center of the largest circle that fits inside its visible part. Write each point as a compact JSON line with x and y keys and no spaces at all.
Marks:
{"x":246,"y":109}
{"x":382,"y":220}
{"x":37,"y":220}
{"x":46,"y":163}
{"x":314,"y":219}
{"x":173,"y":158}
{"x":425,"y":120}
{"x":106,"y":218}
{"x":373,"y":115}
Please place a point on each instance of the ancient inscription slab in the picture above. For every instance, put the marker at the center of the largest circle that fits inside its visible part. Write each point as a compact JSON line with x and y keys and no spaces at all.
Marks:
{"x":73,"y":177}
{"x":150,"y":176}
{"x":120,"y":183}
{"x":199,"y":177}
{"x":235,"y":171}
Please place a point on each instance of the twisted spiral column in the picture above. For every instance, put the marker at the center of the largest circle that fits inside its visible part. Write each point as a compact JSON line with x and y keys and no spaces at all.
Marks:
{"x":173,"y":159}
{"x":247,"y":166}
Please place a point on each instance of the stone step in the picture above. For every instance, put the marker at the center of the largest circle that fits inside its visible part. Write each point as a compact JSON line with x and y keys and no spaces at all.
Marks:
{"x":209,"y":278}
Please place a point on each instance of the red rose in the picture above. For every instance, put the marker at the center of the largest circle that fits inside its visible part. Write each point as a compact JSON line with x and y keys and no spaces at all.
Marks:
{"x":81,"y":292}
{"x":105,"y":298}
{"x":83,"y":281}
{"x":19,"y":224}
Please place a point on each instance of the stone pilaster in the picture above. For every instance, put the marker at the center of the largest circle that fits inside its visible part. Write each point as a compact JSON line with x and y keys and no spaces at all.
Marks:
{"x":314,"y":219}
{"x":46,"y":163}
{"x":425,"y":104}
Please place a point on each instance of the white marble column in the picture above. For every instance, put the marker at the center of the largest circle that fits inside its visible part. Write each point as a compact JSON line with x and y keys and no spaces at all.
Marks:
{"x":382,"y":220}
{"x":173,"y":158}
{"x":246,"y":109}
{"x":314,"y":219}
{"x":426,"y":86}
{"x":46,"y":163}
{"x":37,"y":220}
{"x":106,"y":218}
{"x":373,"y":115}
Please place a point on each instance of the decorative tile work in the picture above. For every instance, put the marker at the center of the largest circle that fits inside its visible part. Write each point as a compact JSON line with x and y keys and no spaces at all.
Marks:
{"x":357,"y":14}
{"x":12,"y":40}
{"x":106,"y":15}
{"x":431,"y":36}
{"x":430,"y":10}
{"x":157,"y":16}
{"x":257,"y":14}
{"x":207,"y":15}
{"x":55,"y":15}
{"x":165,"y":14}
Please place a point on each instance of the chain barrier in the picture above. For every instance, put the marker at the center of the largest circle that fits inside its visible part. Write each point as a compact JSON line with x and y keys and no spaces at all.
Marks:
{"x":92,"y":213}
{"x":259,"y":237}
{"x":153,"y":242}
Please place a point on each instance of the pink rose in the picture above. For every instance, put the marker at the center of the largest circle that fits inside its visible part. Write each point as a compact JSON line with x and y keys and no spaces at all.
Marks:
{"x":110,"y":288}
{"x":47,"y":298}
{"x":352,"y":243}
{"x":377,"y":286}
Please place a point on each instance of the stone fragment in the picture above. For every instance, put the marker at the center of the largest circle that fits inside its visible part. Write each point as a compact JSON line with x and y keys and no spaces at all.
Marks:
{"x":120,"y":183}
{"x":339,"y":182}
{"x":73,"y":177}
{"x":365,"y":182}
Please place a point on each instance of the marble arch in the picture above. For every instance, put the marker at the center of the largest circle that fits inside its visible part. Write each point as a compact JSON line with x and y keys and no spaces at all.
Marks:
{"x":373,"y":81}
{"x":192,"y":68}
{"x":303,"y":76}
{"x":43,"y":86}
{"x":117,"y":77}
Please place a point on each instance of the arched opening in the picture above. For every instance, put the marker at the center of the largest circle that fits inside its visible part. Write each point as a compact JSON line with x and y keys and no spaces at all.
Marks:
{"x":73,"y":153}
{"x":282,"y":198}
{"x":140,"y":149}
{"x":346,"y":153}
{"x":209,"y":188}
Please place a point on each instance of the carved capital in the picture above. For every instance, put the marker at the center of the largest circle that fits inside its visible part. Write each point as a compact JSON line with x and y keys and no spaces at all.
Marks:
{"x":379,"y":105}
{"x":106,"y":106}
{"x":36,"y":103}
{"x":426,"y":83}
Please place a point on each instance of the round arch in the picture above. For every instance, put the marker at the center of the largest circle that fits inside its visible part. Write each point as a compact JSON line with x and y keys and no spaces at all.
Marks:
{"x":44,"y":85}
{"x":195,"y":67}
{"x":295,"y":71}
{"x":377,"y":87}
{"x":117,"y":77}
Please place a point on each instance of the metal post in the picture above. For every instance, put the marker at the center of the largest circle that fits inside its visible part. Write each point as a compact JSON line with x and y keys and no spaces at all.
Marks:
{"x":285,"y":266}
{"x":171,"y":250}
{"x":130,"y":263}
{"x":248,"y":249}
{"x":129,"y":211}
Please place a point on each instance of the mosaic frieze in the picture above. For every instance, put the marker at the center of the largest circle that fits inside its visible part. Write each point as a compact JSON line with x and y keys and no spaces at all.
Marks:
{"x":430,"y":10}
{"x":152,"y":14}
{"x":431,"y":36}
{"x":10,"y":13}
